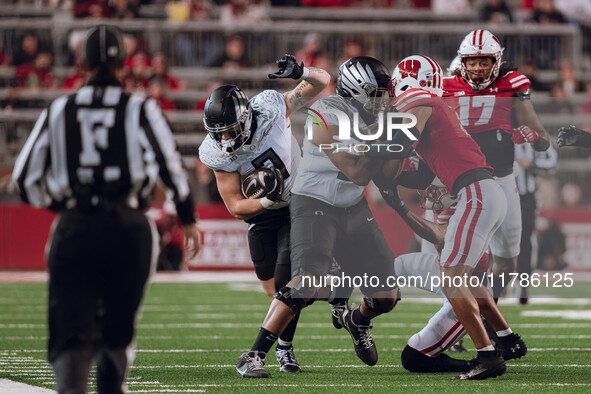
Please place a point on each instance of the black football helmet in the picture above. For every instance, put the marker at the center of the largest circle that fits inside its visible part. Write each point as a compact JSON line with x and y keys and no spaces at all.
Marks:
{"x":103,"y":45}
{"x":365,"y":79}
{"x":228,"y":117}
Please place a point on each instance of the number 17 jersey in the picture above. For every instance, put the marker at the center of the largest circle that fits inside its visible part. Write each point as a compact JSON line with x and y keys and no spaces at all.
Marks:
{"x":487,"y":115}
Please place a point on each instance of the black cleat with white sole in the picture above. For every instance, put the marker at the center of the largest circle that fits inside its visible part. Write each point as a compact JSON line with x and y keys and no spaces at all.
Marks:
{"x":287,"y":361}
{"x":484,"y":368}
{"x":512,"y":347}
{"x":250,"y":365}
{"x":365,"y":348}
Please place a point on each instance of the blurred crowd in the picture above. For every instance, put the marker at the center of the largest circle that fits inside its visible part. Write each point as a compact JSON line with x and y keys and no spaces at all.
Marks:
{"x":253,"y":11}
{"x":32,"y":69}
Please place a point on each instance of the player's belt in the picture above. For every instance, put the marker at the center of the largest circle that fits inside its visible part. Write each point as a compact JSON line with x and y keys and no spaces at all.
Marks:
{"x":469,"y":177}
{"x":98,"y":203}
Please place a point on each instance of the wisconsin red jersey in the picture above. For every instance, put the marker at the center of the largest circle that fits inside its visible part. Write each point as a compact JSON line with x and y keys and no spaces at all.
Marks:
{"x":486,"y":109}
{"x":444,"y":145}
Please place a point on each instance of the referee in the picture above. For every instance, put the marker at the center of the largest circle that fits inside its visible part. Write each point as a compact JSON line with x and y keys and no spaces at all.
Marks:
{"x":94,"y":156}
{"x":529,"y":165}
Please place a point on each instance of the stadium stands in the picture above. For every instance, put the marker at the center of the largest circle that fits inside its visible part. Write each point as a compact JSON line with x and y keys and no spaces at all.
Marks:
{"x":190,"y":48}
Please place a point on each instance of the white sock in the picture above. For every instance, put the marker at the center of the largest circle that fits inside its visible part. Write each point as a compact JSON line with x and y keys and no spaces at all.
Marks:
{"x":283,"y":343}
{"x":488,"y":348}
{"x":504,"y":333}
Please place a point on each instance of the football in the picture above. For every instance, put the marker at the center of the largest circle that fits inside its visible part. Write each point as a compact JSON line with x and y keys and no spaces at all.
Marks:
{"x":253,"y":183}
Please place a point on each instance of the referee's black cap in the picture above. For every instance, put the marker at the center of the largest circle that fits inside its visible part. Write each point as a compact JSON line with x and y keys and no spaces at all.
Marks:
{"x":103,"y":45}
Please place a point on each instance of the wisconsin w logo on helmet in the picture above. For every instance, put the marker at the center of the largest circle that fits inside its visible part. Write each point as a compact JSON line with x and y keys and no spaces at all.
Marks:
{"x":409,"y":68}
{"x":414,"y":72}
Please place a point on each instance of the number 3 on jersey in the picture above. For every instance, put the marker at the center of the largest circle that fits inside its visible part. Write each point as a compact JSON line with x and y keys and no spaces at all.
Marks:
{"x":469,"y":104}
{"x":94,"y":126}
{"x":273,"y":157}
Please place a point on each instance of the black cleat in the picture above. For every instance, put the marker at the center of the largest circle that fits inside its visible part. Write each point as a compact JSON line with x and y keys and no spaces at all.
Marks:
{"x":484,"y":368}
{"x":287,"y":361}
{"x":365,"y":348}
{"x":337,"y":311}
{"x":250,"y":365}
{"x":512,"y":347}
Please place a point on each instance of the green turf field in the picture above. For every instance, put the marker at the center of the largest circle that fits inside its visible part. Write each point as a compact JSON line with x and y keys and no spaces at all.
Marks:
{"x":190,"y":336}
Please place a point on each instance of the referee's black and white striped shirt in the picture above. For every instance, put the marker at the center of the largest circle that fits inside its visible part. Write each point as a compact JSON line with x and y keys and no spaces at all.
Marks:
{"x":101,"y":144}
{"x":540,"y":162}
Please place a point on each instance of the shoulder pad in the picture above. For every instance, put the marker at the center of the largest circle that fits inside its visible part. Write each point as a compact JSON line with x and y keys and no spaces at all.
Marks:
{"x":214,"y":158}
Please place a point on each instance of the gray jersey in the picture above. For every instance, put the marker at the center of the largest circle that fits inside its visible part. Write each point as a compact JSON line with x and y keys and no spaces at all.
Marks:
{"x":317,"y":176}
{"x":271,"y":145}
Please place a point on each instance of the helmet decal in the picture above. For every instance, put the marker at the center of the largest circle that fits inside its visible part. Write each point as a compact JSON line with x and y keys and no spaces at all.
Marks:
{"x":417,"y":71}
{"x":365,"y":80}
{"x":228,"y":117}
{"x":409,"y":68}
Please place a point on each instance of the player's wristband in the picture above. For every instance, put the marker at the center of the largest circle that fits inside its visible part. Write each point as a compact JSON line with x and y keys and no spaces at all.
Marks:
{"x":266,"y":203}
{"x":305,"y":73}
{"x":541,"y":145}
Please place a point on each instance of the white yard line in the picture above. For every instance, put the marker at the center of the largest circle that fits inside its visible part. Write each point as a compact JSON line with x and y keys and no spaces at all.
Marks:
{"x":181,"y":366}
{"x":189,"y":276}
{"x":336,"y":336}
{"x":8,"y":386}
{"x":307,"y":325}
{"x":300,"y":350}
{"x":566,"y":314}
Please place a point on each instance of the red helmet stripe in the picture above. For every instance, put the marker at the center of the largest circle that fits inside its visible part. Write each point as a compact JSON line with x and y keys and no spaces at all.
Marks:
{"x":436,"y":70}
{"x":480,"y":43}
{"x":440,"y":75}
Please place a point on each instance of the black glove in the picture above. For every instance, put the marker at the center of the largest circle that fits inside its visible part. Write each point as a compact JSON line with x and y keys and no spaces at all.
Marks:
{"x":288,"y":68}
{"x":392,"y":198}
{"x":573,"y":136}
{"x":274,"y":185}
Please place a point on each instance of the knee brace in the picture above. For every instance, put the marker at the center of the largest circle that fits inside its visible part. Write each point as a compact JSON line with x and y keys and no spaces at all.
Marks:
{"x":381,"y":305}
{"x":297,"y":297}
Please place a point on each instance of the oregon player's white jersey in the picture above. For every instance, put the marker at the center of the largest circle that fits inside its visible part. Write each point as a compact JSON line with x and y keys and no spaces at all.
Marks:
{"x":271,"y":143}
{"x":317,"y":176}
